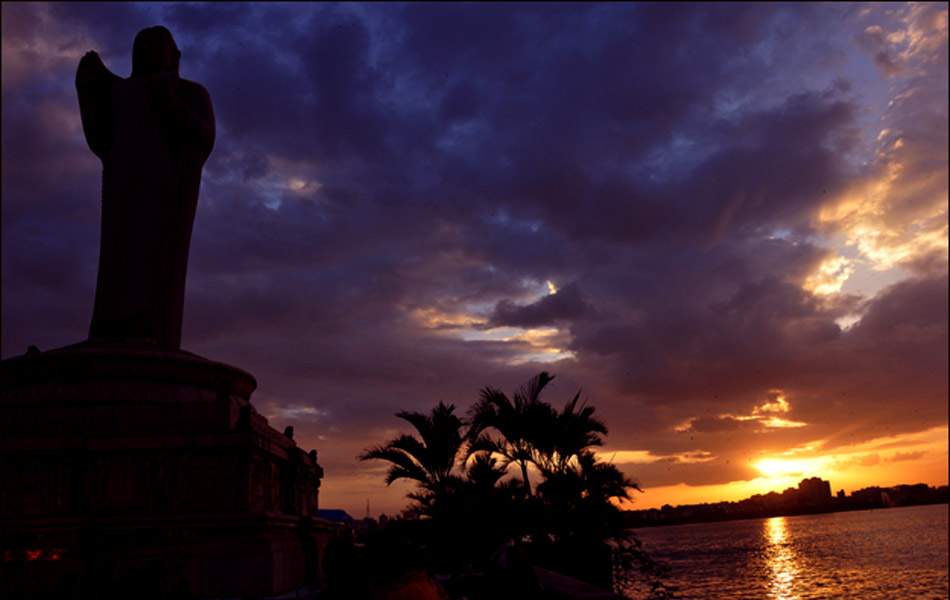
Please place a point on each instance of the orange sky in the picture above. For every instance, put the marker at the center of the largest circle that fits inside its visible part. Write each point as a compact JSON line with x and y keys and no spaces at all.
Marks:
{"x":882,"y":462}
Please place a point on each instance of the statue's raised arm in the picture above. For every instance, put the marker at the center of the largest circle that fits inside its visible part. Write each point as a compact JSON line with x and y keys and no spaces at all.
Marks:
{"x":153,"y":132}
{"x":93,"y":84}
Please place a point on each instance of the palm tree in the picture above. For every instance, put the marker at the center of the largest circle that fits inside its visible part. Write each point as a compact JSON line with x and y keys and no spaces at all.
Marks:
{"x":429,"y":459}
{"x":582,"y":520}
{"x":568,"y":518}
{"x":532,"y":431}
{"x":579,"y":501}
{"x":522,"y":422}
{"x":571,"y":434}
{"x":590,"y":481}
{"x":483,"y":472}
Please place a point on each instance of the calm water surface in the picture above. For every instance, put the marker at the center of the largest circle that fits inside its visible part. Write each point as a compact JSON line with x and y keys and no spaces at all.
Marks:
{"x":892,"y":554}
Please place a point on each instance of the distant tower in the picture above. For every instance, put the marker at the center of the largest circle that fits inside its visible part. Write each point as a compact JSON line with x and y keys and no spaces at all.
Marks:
{"x":367,"y":508}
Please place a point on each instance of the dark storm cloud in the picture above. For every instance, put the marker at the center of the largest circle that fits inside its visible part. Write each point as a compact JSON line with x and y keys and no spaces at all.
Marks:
{"x":388,"y":177}
{"x":567,"y":304}
{"x":682,"y":327}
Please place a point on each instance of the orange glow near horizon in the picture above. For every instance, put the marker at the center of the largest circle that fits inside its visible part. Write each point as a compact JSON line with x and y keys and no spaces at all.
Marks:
{"x":884,"y":462}
{"x":905,"y":459}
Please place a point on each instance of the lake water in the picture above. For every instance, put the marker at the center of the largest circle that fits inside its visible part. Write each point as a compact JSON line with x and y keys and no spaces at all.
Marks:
{"x":884,"y":554}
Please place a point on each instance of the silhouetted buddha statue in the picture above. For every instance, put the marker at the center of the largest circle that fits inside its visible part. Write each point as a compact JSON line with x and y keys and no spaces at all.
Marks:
{"x":153,"y":132}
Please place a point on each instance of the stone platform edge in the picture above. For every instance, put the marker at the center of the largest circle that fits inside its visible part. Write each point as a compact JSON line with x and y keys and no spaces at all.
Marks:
{"x":123,"y":361}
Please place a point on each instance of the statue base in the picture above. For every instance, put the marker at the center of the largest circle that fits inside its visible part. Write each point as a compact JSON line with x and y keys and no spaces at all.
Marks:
{"x":128,"y":466}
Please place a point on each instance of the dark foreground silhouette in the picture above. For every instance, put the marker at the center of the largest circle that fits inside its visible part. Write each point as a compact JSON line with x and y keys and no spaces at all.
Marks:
{"x":472,"y":517}
{"x":153,"y":132}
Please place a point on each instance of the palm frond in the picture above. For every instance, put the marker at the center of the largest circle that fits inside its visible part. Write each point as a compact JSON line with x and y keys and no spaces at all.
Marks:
{"x":413,"y":473}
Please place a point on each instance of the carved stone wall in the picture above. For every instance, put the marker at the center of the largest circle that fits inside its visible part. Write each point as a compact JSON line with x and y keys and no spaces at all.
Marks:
{"x":129,"y":462}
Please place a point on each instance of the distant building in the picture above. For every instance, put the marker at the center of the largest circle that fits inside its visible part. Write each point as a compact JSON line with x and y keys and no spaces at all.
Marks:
{"x":814,"y":491}
{"x":812,"y":495}
{"x":909,"y":495}
{"x":868,"y":497}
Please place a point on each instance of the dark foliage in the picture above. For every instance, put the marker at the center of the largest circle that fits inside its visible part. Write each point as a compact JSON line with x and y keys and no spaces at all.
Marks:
{"x":569,"y":521}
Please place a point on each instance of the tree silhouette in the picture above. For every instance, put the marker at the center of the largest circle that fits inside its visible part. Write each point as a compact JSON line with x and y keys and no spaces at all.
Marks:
{"x":491,"y":510}
{"x":571,"y":434}
{"x":533,"y":432}
{"x":429,"y":459}
{"x":483,"y":472}
{"x":572,"y":516}
{"x":581,"y":498}
{"x":571,"y":521}
{"x":521,"y":421}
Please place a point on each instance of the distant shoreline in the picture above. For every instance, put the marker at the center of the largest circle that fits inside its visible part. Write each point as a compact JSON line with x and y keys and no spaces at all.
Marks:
{"x":746,"y":509}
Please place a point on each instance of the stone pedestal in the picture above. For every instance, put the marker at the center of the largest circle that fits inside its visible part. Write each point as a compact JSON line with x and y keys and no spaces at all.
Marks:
{"x":129,"y":470}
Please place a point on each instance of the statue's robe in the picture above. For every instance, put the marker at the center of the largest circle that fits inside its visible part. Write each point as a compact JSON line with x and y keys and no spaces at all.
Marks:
{"x":153,"y":144}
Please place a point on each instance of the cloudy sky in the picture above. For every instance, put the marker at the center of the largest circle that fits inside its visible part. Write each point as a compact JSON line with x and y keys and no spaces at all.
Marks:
{"x":727,"y":224}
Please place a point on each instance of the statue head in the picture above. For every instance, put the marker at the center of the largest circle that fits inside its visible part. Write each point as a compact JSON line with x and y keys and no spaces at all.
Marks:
{"x":154,"y":51}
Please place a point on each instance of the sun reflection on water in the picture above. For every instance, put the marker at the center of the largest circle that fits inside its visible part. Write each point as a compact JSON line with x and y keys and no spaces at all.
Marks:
{"x":781,"y":559}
